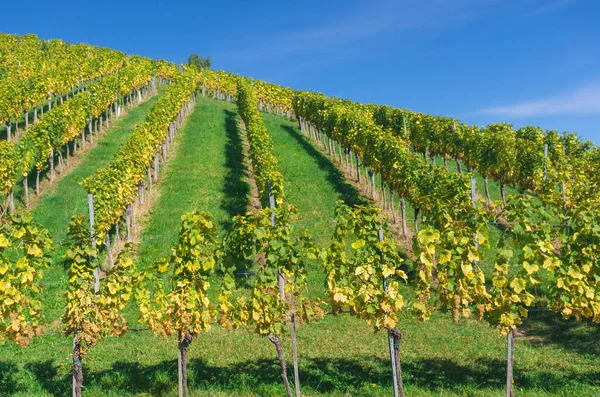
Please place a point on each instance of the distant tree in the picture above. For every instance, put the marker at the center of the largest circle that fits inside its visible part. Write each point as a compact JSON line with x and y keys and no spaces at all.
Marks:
{"x":206,"y":62}
{"x":199,"y":62}
{"x":195,"y":60}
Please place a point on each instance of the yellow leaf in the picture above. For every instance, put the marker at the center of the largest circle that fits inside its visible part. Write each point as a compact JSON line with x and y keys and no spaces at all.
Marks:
{"x":467,"y":269}
{"x":473,"y":255}
{"x":35,"y":251}
{"x":530,"y":268}
{"x":4,"y":242}
{"x":358,"y":244}
{"x":338,"y":297}
{"x":444,"y":256}
{"x":425,"y":259}
{"x":518,"y":285}
{"x":388,"y":270}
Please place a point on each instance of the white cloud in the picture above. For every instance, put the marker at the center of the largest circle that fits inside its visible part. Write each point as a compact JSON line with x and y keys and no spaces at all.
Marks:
{"x":584,"y":100}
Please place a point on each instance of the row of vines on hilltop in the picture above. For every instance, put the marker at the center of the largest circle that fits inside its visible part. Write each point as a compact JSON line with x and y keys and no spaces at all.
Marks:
{"x":32,"y":71}
{"x":528,"y":158}
{"x":65,"y":126}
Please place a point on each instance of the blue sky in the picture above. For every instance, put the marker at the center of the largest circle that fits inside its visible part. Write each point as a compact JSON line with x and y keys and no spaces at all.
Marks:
{"x":528,"y":62}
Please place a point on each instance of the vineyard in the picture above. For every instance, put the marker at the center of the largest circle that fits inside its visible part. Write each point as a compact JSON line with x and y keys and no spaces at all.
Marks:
{"x":173,"y":230}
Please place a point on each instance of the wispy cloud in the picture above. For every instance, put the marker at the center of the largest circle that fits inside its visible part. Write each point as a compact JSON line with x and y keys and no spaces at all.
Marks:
{"x":366,"y":20}
{"x":584,"y":100}
{"x":552,"y":6}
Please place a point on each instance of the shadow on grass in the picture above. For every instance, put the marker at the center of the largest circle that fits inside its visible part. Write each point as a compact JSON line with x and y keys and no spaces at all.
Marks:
{"x":547,"y":327}
{"x":349,"y":193}
{"x":8,"y":383}
{"x":46,"y":374}
{"x":440,"y":374}
{"x":236,"y":190}
{"x":319,"y":375}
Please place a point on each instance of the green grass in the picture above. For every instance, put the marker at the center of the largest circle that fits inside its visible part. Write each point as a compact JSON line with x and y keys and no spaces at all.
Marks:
{"x":340,"y":355}
{"x":206,"y":174}
{"x":313,"y":184}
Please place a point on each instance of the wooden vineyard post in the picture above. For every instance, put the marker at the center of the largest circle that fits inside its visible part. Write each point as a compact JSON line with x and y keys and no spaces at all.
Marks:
{"x":346,"y":154}
{"x":155,"y":167}
{"x":416,"y":220}
{"x":545,"y":159}
{"x":390,"y":336}
{"x":280,"y":280}
{"x":37,"y":182}
{"x":26,"y":190}
{"x":90,"y":126}
{"x":487,"y":190}
{"x":563,"y":192}
{"x":11,"y":202}
{"x":149,"y":172}
{"x":281,"y":286}
{"x":392,"y":204}
{"x":90,"y":123}
{"x":295,"y":353}
{"x":564,"y":206}
{"x":357,"y":168}
{"x":51,"y":161}
{"x":458,"y":165}
{"x":372,"y":175}
{"x":93,"y":238}
{"x":474,"y":201}
{"x":117,"y":237}
{"x":396,"y":336}
{"x":510,"y":392}
{"x":128,"y":211}
{"x":403,"y":214}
